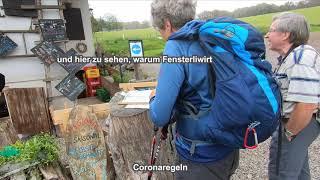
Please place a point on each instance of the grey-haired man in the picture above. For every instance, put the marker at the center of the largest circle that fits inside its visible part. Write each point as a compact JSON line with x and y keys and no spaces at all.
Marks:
{"x":299,"y":77}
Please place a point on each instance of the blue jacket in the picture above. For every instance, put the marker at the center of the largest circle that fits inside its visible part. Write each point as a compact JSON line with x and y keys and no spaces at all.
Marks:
{"x":189,"y":82}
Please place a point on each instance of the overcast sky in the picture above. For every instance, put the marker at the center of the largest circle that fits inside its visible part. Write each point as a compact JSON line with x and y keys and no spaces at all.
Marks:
{"x":139,"y":10}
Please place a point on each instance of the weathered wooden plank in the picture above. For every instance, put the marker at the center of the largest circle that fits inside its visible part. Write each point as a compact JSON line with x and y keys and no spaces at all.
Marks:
{"x":7,"y":132}
{"x":11,"y":169}
{"x":28,"y":109}
{"x":134,"y":86}
{"x":31,"y":7}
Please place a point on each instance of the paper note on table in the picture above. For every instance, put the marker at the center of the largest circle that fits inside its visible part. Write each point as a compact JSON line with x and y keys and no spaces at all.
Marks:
{"x":137,"y":106}
{"x":137,"y":97}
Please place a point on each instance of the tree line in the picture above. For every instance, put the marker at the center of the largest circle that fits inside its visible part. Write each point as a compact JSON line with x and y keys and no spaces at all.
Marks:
{"x":259,"y":9}
{"x":110,"y":22}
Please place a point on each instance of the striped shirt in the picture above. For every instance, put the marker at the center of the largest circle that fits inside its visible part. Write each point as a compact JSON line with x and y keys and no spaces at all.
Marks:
{"x":299,"y":77}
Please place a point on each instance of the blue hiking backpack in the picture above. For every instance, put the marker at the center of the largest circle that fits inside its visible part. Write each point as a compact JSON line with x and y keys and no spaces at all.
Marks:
{"x":246,"y":105}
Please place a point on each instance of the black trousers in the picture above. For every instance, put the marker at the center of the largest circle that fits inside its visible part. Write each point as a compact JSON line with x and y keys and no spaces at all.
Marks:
{"x":220,"y":170}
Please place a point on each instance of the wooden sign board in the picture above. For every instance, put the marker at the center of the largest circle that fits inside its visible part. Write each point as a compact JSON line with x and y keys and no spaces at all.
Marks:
{"x":71,"y":87}
{"x":48,"y":52}
{"x":71,"y":67}
{"x":13,"y":8}
{"x":85,"y":145}
{"x":6,"y":45}
{"x":52,"y":29}
{"x":28,"y":109}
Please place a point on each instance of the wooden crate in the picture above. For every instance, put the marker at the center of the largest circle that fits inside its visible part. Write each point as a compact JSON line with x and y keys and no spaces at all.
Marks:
{"x":60,"y":116}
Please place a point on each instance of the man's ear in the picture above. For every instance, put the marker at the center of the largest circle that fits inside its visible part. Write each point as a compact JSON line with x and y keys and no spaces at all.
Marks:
{"x":167,"y":25}
{"x":286,"y":36}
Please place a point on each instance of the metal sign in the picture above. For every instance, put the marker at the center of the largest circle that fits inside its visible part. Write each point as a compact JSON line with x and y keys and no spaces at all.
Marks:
{"x":136,"y":48}
{"x":6,"y":45}
{"x":53,"y":29}
{"x":71,"y":87}
{"x":71,"y":67}
{"x":13,"y":8}
{"x":48,"y":52}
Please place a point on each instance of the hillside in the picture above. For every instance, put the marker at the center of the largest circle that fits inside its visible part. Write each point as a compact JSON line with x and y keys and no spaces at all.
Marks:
{"x":262,"y":22}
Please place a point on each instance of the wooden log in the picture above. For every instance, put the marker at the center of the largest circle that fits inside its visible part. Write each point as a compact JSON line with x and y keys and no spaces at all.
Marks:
{"x":53,"y":171}
{"x":12,"y":169}
{"x":129,"y":140}
{"x":48,"y":172}
{"x":19,"y":176}
{"x":7,"y":132}
{"x":35,"y":174}
{"x":110,"y":166}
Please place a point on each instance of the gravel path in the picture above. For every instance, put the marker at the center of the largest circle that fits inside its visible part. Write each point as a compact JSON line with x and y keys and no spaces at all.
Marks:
{"x":254,"y":163}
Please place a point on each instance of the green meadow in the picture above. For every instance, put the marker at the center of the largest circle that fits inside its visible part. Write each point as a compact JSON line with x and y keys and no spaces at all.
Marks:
{"x":262,"y":22}
{"x":116,"y":42}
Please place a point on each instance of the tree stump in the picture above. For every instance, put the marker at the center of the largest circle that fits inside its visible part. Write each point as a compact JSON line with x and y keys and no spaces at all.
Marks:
{"x":7,"y":132}
{"x":129,"y":140}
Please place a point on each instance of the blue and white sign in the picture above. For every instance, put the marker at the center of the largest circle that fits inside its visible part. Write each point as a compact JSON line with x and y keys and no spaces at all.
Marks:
{"x":136,"y":48}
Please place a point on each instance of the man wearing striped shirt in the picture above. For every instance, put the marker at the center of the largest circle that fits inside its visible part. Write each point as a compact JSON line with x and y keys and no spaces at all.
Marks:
{"x":298,"y":75}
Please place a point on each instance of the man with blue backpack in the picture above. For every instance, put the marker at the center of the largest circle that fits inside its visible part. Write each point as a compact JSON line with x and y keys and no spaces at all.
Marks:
{"x":219,"y":107}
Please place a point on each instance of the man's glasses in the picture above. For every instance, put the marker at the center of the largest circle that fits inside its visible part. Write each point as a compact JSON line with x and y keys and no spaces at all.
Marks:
{"x":272,"y":30}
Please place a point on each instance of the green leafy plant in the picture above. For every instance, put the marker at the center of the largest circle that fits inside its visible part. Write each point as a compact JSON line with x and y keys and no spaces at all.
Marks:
{"x":103,"y":94}
{"x":125,"y":77}
{"x":42,"y":148}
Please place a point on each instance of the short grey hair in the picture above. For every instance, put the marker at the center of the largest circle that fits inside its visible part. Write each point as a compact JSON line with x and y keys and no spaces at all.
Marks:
{"x":296,"y":24}
{"x":178,"y":12}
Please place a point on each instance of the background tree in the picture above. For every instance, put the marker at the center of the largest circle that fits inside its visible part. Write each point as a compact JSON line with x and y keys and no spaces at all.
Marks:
{"x":212,"y":14}
{"x":111,"y":23}
{"x":96,"y":27}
